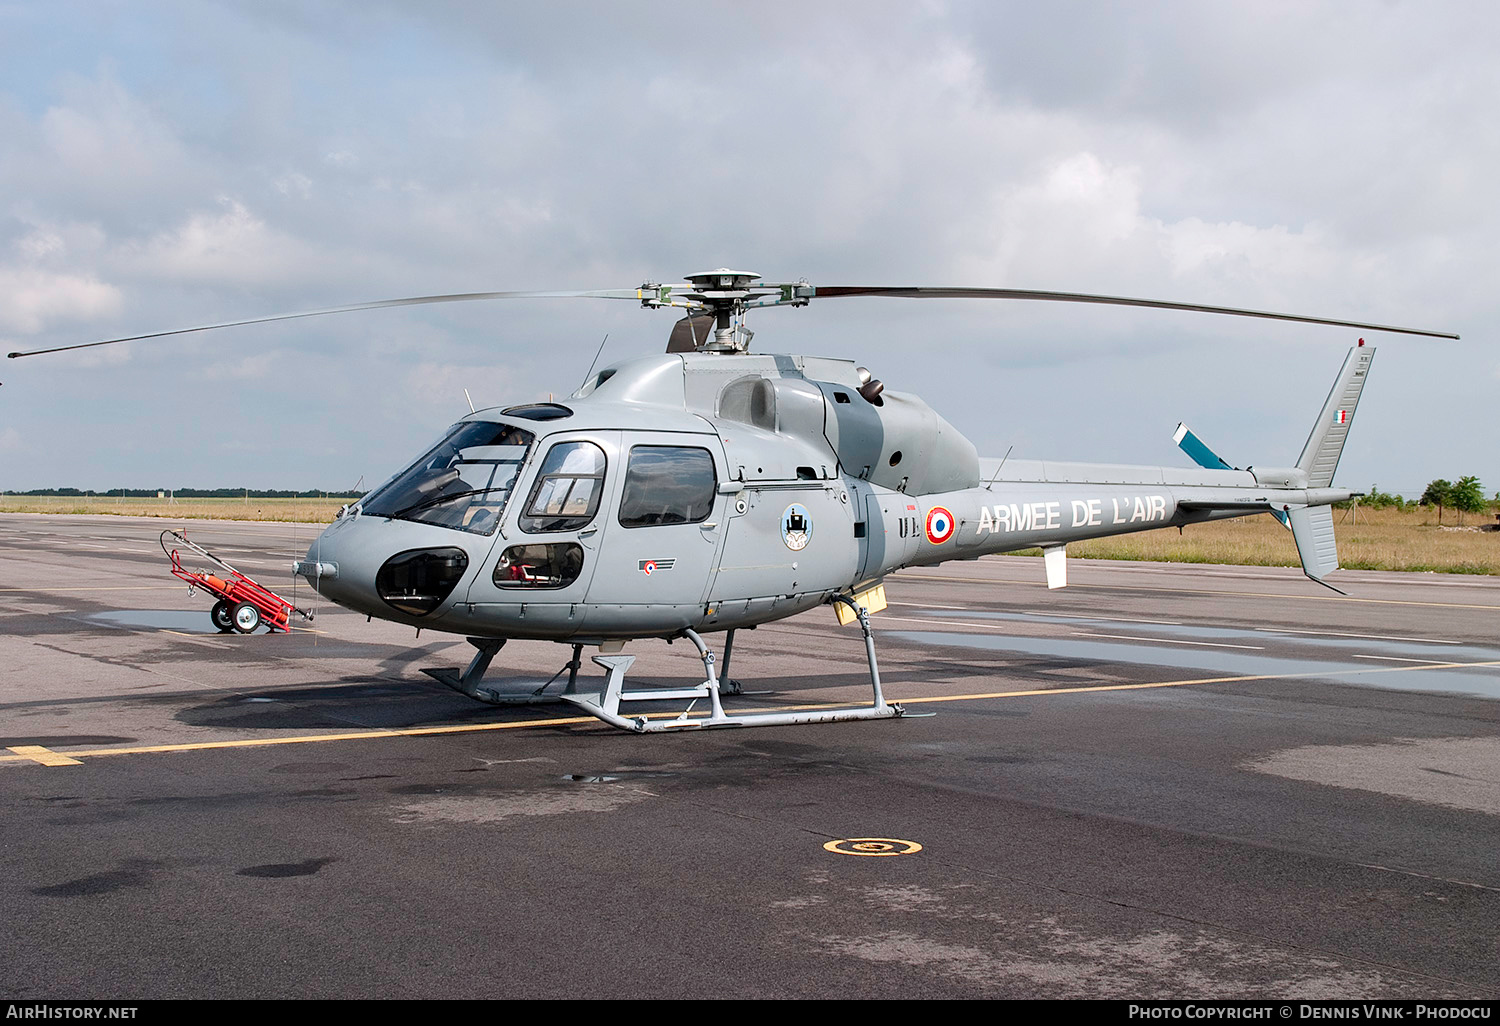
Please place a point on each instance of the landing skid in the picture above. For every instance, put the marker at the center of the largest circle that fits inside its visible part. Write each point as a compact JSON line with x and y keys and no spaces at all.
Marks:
{"x":605,"y":702}
{"x":517,"y":691}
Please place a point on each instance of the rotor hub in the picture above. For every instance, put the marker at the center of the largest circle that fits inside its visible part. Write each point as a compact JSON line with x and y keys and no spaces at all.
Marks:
{"x":725,"y":295}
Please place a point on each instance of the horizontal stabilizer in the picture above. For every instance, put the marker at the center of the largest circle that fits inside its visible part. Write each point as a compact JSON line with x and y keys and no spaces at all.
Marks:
{"x":1246,"y":505}
{"x":1312,"y":530}
{"x":1201,"y":454}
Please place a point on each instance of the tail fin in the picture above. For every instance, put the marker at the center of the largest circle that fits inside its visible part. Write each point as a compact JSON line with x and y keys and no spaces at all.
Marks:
{"x":1320,"y":456}
{"x":1312,"y":526}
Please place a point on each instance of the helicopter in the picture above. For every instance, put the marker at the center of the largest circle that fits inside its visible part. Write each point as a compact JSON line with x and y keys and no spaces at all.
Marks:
{"x":711,"y":489}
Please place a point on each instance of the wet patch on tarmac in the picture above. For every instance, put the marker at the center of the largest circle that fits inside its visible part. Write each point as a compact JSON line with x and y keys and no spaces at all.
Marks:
{"x":126,"y":877}
{"x":1482,"y":681}
{"x":56,"y":740}
{"x":278,"y":870}
{"x":337,"y":705}
{"x":194,"y":621}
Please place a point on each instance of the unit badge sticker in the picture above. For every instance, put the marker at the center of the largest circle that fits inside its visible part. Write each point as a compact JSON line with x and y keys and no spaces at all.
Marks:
{"x":651,"y":566}
{"x":796,"y":527}
{"x":939,"y":525}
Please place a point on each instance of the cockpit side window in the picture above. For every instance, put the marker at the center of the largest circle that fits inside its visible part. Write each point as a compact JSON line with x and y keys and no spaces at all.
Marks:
{"x":463,"y":482}
{"x":668,"y":484}
{"x":567,"y":490}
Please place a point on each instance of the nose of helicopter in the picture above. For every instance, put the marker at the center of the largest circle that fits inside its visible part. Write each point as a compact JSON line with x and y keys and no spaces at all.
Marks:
{"x":339,"y":565}
{"x":391,"y":569}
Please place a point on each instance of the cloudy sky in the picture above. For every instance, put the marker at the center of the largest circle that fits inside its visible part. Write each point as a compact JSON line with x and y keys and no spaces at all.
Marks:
{"x":171,"y":164}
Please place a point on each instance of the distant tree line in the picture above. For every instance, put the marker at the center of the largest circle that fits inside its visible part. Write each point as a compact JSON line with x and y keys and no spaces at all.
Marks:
{"x":1376,"y":499}
{"x":1465,"y":495}
{"x":194,"y":493}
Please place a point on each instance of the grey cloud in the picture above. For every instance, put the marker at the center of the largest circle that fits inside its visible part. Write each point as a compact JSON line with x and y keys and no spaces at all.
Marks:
{"x":209,"y":161}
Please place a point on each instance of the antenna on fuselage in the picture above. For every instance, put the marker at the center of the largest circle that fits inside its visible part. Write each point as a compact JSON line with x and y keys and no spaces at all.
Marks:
{"x":991,"y":485}
{"x":595,"y":361}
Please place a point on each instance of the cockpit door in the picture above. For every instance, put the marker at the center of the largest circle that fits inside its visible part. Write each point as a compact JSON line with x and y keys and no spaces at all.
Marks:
{"x":546,"y":552}
{"x":663,"y":534}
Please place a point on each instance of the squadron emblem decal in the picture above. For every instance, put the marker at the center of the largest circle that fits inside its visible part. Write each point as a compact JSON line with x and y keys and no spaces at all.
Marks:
{"x":651,"y":566}
{"x":796,"y":527}
{"x":939,"y":525}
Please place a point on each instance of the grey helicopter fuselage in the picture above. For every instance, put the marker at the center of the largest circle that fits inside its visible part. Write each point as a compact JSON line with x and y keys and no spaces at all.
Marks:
{"x":707,"y":492}
{"x":712,"y":490}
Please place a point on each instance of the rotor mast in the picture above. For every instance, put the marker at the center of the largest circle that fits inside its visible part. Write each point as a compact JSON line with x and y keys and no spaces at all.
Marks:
{"x":725,"y":295}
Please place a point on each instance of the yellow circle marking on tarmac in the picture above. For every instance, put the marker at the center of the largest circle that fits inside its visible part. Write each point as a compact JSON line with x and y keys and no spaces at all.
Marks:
{"x":872,"y":846}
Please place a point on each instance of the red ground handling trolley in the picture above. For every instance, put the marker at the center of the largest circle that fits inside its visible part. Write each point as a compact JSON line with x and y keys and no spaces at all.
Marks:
{"x":243,"y":605}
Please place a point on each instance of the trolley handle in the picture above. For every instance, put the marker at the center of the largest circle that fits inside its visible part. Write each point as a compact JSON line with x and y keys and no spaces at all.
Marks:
{"x":182,"y":537}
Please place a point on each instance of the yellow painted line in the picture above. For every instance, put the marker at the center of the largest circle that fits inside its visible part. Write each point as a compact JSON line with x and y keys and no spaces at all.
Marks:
{"x":1185,"y":683}
{"x":45,"y":756}
{"x":37,"y":754}
{"x":363,"y":735}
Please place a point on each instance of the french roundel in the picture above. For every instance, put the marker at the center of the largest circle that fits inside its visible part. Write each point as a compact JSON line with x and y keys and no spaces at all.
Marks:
{"x":940,"y":525}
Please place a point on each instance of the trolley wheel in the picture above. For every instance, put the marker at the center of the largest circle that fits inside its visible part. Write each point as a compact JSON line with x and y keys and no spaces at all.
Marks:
{"x":221,"y":616}
{"x":246,"y":618}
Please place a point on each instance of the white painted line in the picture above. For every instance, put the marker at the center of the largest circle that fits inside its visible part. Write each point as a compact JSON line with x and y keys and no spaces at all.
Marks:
{"x":925,"y":605}
{"x":1050,"y":616}
{"x":1389,"y":659}
{"x":1167,"y":641}
{"x":1370,"y":637}
{"x":943,"y":623}
{"x":1108,"y":619}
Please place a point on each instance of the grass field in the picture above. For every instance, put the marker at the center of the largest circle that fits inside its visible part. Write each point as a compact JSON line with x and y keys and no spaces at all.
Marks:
{"x":316,"y":511}
{"x":1387,"y":539}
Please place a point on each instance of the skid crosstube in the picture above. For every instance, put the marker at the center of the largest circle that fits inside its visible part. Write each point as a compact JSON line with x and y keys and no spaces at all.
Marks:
{"x":605,"y":703}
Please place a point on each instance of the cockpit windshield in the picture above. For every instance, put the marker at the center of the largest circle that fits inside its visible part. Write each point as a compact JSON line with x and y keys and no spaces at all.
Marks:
{"x":462,"y":482}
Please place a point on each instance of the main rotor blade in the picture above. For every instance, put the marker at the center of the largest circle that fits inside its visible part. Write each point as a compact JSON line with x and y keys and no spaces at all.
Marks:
{"x":462,"y":297}
{"x":921,"y":292}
